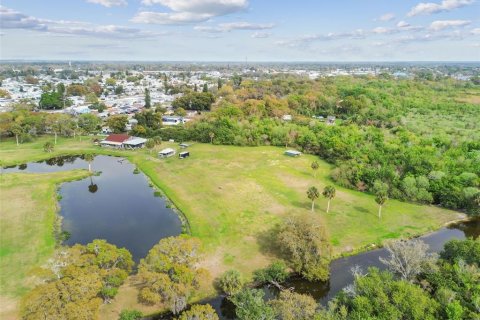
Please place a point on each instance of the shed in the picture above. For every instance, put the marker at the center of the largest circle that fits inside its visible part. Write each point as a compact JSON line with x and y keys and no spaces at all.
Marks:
{"x":165,"y":153}
{"x":184,"y":154}
{"x":293,"y":153}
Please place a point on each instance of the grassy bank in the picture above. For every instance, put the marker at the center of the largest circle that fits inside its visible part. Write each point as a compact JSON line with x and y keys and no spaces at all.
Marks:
{"x":234,"y":196}
{"x":28,"y":213}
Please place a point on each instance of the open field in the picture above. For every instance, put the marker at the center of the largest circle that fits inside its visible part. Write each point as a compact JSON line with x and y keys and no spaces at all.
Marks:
{"x":28,"y":208}
{"x":233,"y":196}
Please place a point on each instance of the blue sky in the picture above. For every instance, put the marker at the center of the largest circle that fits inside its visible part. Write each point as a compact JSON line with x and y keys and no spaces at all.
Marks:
{"x":232,"y":30}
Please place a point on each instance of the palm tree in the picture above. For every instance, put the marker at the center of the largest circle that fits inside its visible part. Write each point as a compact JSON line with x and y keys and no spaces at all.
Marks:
{"x":329,"y":193}
{"x":381,"y":197}
{"x":315,"y":167}
{"x":48,"y":147}
{"x":89,"y":158}
{"x":313,"y":195}
{"x":93,"y":187}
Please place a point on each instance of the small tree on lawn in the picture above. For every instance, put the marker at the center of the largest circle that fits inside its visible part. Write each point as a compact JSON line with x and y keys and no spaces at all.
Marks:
{"x":313,"y":195}
{"x":150,"y":144}
{"x":17,"y":130}
{"x":315,"y":167}
{"x":48,"y":147}
{"x":329,"y":193}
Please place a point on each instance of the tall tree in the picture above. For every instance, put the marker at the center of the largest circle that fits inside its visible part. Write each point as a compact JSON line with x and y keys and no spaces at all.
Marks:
{"x":148,"y":102}
{"x":231,"y":282}
{"x":170,"y":273}
{"x":329,"y":193}
{"x":294,"y":306}
{"x":90,"y":123}
{"x":407,"y":258}
{"x":313,"y":194}
{"x":306,"y":246}
{"x":380,"y":198}
{"x":117,"y":123}
{"x":250,"y":305}
{"x":380,"y":189}
{"x":150,"y":144}
{"x":199,"y":312}
{"x":17,"y":130}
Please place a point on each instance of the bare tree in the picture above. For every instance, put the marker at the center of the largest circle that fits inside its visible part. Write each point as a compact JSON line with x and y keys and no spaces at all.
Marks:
{"x":407,"y":258}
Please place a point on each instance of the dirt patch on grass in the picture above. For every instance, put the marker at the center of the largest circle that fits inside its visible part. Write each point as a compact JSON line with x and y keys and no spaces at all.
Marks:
{"x":8,"y":308}
{"x":474,"y":99}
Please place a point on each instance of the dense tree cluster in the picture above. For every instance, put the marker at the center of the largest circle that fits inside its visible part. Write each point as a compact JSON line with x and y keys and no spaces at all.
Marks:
{"x":170,"y":273}
{"x":24,"y":125}
{"x":194,"y":101}
{"x":81,"y":278}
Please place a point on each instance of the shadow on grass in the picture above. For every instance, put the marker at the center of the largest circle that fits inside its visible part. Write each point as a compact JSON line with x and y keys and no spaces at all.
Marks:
{"x":303,"y":204}
{"x":268,"y":244}
{"x":361,"y":209}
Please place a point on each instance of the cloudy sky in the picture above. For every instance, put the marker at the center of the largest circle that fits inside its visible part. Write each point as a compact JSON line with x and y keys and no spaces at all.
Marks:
{"x":233,"y":30}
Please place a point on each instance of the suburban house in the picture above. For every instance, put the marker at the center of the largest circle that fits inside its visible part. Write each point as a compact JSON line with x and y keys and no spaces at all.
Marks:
{"x":165,"y":153}
{"x":172,"y":120}
{"x":123,"y":141}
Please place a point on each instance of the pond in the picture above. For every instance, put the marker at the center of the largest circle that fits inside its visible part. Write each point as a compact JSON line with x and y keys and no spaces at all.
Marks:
{"x":116,"y":204}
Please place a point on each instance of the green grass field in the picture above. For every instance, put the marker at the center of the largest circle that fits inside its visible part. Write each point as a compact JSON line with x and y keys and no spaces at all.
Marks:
{"x":232,"y":197}
{"x":28,"y":212}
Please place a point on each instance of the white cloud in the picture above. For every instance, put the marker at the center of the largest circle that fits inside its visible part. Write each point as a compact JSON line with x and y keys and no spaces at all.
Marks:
{"x":431,"y":7}
{"x":109,"y":3}
{"x":475,"y":31}
{"x":11,"y":19}
{"x":403,"y":24}
{"x":304,"y":40}
{"x":188,"y":11}
{"x":445,"y":24}
{"x":386,"y":17}
{"x":150,"y":17}
{"x":382,"y":30}
{"x":227,"y":27}
{"x":261,"y":35}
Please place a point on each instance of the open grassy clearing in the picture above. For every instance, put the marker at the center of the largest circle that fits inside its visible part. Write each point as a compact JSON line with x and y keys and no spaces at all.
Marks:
{"x":233,"y":196}
{"x":28,"y":207}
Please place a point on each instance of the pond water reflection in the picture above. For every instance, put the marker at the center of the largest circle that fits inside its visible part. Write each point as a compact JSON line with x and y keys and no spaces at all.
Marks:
{"x":117,"y":204}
